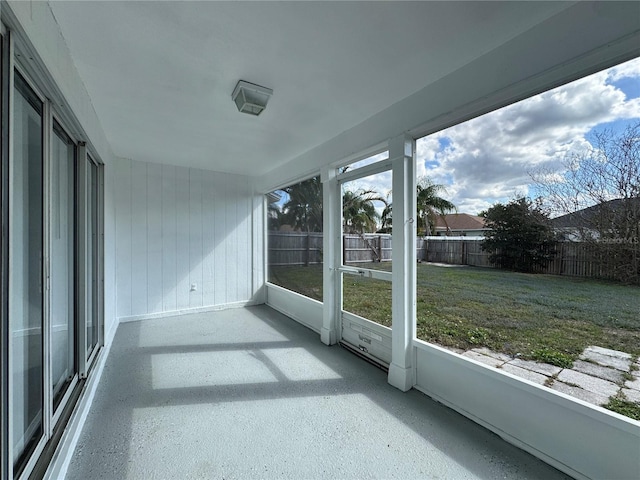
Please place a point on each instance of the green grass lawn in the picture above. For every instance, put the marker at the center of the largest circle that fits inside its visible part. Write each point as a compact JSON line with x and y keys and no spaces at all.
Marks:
{"x":540,"y":317}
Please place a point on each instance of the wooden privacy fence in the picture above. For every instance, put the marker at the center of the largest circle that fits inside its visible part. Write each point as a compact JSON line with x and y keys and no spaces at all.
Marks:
{"x":296,"y":248}
{"x":300,"y":248}
{"x":456,"y":251}
{"x":574,"y":259}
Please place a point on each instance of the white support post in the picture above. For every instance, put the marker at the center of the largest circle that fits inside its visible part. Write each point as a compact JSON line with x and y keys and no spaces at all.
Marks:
{"x":331,"y":277}
{"x":403,"y":304}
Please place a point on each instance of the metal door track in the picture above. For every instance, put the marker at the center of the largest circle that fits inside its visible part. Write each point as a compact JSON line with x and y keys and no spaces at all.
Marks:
{"x":365,"y":356}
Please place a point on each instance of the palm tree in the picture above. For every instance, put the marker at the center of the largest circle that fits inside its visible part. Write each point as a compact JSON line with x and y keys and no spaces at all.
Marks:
{"x":359,"y":212}
{"x":431,"y":205}
{"x":274,"y":216}
{"x":303,"y":209}
{"x":386,"y":220}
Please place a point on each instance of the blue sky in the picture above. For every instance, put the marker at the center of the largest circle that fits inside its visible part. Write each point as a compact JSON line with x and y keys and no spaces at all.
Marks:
{"x":488,"y":159}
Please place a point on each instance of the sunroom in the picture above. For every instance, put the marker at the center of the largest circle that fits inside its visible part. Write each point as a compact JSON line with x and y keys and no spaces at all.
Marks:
{"x":143,"y":146}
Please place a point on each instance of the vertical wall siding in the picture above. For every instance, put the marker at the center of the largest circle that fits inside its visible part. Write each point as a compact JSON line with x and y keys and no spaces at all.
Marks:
{"x":123,"y":236}
{"x":152,"y":241}
{"x":139,"y":276}
{"x":197,"y":228}
{"x":178,"y":228}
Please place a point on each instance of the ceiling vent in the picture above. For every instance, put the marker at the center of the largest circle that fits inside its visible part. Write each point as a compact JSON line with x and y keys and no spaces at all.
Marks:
{"x":251,"y":98}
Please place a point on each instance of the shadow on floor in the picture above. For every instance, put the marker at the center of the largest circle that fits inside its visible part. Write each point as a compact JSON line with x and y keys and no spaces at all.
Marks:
{"x":249,"y":393}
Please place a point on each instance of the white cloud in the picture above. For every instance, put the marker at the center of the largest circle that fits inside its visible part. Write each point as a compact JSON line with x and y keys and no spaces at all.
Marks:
{"x":487,"y":159}
{"x":629,"y":69}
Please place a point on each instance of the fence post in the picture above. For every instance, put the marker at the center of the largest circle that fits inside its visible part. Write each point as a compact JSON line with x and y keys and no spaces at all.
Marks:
{"x":306,"y":256}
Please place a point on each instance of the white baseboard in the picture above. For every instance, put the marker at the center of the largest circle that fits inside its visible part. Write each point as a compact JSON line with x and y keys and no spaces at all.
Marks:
{"x":187,"y":311}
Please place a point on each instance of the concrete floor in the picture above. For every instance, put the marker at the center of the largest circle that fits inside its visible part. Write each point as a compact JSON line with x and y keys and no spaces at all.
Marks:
{"x":249,"y":393}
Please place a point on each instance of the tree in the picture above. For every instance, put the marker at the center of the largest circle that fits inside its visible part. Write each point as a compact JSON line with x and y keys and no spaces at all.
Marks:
{"x":385,"y":219}
{"x":597,"y":194}
{"x":431,"y":205}
{"x":359,"y":212}
{"x":521,"y":237}
{"x":274,"y":216}
{"x":303,"y":209}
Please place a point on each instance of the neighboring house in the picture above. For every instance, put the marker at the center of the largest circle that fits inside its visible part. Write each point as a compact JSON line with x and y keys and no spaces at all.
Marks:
{"x":591,"y":222}
{"x":460,"y":225}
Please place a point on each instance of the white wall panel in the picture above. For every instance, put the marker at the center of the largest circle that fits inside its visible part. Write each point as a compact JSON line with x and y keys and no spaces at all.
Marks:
{"x":210,"y":224}
{"x":153,"y":241}
{"x":176,"y":227}
{"x":183,"y":262}
{"x":139,"y":287}
{"x":196,"y":227}
{"x":169,"y":236}
{"x":218,"y":242}
{"x":231,"y":244}
{"x":123,"y":234}
{"x":244,"y":233}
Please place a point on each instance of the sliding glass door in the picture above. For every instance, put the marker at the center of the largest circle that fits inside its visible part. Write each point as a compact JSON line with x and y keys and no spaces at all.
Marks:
{"x":63,"y":263}
{"x":92,"y":323}
{"x":50,"y":265}
{"x":26,"y":313}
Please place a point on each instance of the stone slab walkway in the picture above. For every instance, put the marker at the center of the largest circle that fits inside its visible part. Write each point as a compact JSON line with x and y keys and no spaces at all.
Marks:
{"x":596,"y":377}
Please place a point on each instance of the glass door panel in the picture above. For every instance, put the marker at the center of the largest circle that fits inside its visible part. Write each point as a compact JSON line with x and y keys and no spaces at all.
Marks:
{"x":26,"y":279}
{"x":366,"y":246}
{"x":92,"y":261}
{"x":366,"y":204}
{"x":63,"y":265}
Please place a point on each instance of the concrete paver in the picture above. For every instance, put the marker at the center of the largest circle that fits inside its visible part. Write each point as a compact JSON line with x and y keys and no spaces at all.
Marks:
{"x":526,"y":374}
{"x":487,"y":360}
{"x":599,"y":371}
{"x":543,"y":368}
{"x":587,"y":382}
{"x":633,"y":384}
{"x":632,"y":395}
{"x":622,"y":364}
{"x":608,"y":352}
{"x":587,"y":396}
{"x":491,"y":353}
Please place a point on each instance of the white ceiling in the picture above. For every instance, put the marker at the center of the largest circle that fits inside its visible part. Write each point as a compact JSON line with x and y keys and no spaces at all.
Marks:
{"x":160,"y":74}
